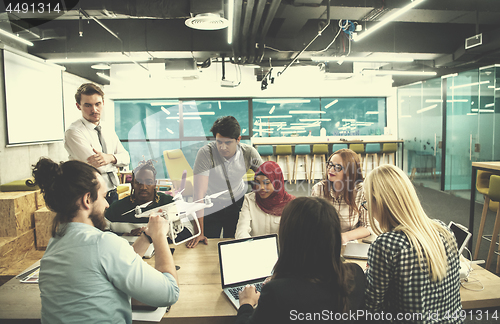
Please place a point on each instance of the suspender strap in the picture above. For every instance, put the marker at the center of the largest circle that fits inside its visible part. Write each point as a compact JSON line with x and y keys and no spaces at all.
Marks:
{"x":224,"y":170}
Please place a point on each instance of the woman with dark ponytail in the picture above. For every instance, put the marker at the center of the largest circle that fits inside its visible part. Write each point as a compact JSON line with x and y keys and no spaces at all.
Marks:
{"x":309,"y":276}
{"x":87,"y":275}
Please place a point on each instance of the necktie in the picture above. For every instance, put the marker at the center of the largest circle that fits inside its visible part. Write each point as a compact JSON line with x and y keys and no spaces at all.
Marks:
{"x":101,"y":140}
{"x":104,"y":150}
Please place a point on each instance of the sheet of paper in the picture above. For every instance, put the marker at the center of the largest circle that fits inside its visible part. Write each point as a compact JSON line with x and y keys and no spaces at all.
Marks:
{"x":149,"y":316}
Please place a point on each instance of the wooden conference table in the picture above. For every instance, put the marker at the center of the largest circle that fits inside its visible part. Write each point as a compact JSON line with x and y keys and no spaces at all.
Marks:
{"x":486,"y":166}
{"x":201,"y":299}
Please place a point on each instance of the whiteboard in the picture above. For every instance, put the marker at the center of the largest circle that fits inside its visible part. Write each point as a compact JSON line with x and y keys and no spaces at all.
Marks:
{"x":33,"y":100}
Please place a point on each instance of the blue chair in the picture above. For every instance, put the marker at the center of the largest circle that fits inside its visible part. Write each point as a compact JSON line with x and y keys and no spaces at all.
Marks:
{"x":337,"y":147}
{"x":265,"y":150}
{"x":372,"y":150}
{"x":302,"y":151}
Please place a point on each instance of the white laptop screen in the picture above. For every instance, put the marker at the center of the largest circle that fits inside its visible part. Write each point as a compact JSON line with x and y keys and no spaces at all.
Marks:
{"x":248,"y":260}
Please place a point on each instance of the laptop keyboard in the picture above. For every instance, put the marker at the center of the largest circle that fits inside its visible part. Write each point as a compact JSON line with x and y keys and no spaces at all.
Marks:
{"x":235,"y":290}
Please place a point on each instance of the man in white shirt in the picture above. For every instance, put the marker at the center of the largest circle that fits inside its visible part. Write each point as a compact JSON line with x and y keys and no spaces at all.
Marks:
{"x":89,"y":141}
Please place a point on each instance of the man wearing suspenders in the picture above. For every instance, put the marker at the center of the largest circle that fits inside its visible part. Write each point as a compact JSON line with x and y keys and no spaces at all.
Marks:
{"x":220,"y":166}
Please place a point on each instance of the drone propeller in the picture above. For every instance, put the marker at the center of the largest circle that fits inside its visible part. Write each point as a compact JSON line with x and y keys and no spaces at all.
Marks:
{"x":140,"y":206}
{"x":215,"y":195}
{"x":212,"y":196}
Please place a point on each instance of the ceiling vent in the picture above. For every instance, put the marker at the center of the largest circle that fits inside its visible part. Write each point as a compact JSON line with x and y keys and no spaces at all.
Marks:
{"x":207,"y":15}
{"x":207,"y":21}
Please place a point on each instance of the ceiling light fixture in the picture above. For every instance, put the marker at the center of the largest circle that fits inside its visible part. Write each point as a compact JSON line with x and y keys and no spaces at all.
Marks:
{"x":315,"y":120}
{"x":184,"y":118}
{"x":449,"y":76}
{"x":300,"y":112}
{"x":104,"y":76}
{"x":115,"y":59}
{"x":101,"y":66}
{"x":368,"y":59}
{"x":469,"y":84}
{"x":387,"y":20}
{"x":331,"y":103}
{"x":284,"y":101}
{"x":293,"y":132}
{"x":200,"y":113}
{"x":395,"y":72}
{"x":15,"y":37}
{"x":426,"y":109}
{"x":275,"y":116}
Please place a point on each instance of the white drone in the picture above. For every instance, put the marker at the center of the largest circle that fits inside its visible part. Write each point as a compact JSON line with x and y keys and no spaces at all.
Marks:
{"x":179,"y":214}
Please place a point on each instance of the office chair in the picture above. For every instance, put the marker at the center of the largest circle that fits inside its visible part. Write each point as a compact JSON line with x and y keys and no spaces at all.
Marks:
{"x":176,"y":164}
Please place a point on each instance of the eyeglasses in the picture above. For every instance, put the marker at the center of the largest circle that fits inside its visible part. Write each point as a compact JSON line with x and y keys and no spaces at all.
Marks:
{"x":363,"y":204}
{"x":336,"y":167}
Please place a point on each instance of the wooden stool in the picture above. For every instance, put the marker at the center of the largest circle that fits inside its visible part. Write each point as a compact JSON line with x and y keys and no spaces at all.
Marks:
{"x":484,"y":184}
{"x":336,"y":147}
{"x":319,"y":150}
{"x":265,"y":150}
{"x":371,"y":150}
{"x":389,"y":149}
{"x":302,"y":151}
{"x":360,"y":149}
{"x":287,"y":151}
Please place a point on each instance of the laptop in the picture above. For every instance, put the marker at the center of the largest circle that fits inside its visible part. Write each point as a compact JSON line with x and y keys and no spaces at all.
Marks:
{"x":462,"y":235}
{"x":356,"y":251}
{"x":246,"y":261}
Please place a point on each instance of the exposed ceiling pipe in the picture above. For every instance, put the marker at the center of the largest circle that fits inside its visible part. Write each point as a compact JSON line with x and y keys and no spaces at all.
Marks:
{"x":261,"y":5}
{"x":244,"y":31}
{"x":319,"y":34}
{"x":238,"y":6}
{"x":114,"y":35}
{"x":265,"y":28}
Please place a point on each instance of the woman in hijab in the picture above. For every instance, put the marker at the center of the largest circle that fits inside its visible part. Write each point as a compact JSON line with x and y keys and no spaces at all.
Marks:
{"x":262,"y":208}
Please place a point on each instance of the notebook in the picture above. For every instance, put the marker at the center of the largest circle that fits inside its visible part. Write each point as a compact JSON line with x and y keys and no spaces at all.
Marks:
{"x":246,"y":261}
{"x":356,"y":251}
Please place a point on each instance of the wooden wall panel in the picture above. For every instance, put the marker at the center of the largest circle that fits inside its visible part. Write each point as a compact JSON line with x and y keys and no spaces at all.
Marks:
{"x":43,"y":227}
{"x":16,"y":212}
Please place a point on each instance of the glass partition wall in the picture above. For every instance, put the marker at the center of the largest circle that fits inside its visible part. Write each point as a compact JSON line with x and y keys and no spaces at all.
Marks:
{"x":149,"y":127}
{"x":319,"y":116}
{"x":471,"y":126}
{"x":420,"y":125}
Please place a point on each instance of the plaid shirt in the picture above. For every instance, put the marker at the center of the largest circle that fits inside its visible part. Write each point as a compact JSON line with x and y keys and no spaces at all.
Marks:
{"x":396,"y":283}
{"x":347,"y":221}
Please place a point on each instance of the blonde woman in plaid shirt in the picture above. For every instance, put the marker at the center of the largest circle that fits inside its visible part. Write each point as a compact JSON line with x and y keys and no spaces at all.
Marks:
{"x":343,"y":187}
{"x":413,"y":265}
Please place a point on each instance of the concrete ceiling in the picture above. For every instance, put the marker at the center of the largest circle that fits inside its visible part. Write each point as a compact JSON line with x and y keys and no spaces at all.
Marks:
{"x":433,"y":33}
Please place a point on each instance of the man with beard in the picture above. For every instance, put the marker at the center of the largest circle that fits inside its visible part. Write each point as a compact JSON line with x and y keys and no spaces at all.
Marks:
{"x":89,"y":140}
{"x":87,"y":275}
{"x":121,"y":213}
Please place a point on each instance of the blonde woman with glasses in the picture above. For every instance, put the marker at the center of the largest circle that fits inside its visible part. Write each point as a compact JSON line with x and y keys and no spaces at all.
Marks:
{"x":413,"y":265}
{"x":343,"y":187}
